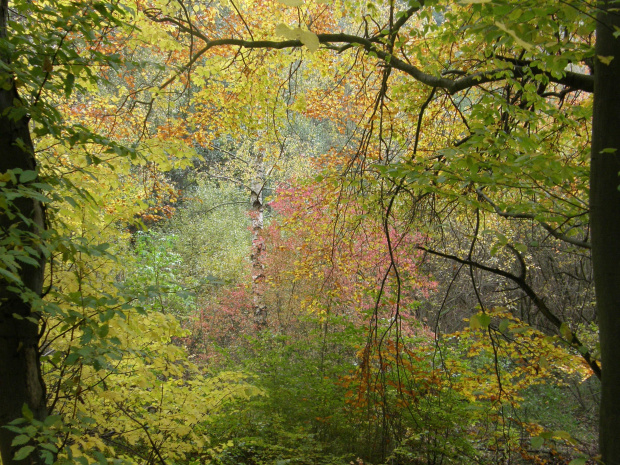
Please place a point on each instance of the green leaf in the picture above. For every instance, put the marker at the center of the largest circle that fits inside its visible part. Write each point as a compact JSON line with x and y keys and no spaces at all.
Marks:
{"x":27,"y":413}
{"x":14,"y":429}
{"x":583,"y":349}
{"x":566,"y":332}
{"x":519,"y":329}
{"x":69,"y":82}
{"x":27,"y":176}
{"x":17,"y":421}
{"x":503,"y":325}
{"x":520,"y":42}
{"x":578,"y":461}
{"x":29,"y":260}
{"x":103,"y":331}
{"x":48,"y":457}
{"x":293,"y":3}
{"x":308,"y":38}
{"x":537,"y":442}
{"x":23,"y":452}
{"x":50,"y":447}
{"x":51,"y":420}
{"x":285,"y":31}
{"x":485,"y":320}
{"x":99,"y":456}
{"x":19,"y":440}
{"x":10,"y":276}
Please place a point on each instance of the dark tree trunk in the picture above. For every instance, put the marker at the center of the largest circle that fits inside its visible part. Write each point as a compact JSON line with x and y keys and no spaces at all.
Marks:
{"x":20,"y":372}
{"x":605,"y":222}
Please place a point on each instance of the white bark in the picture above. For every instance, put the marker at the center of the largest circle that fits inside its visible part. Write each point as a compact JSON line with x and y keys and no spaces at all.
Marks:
{"x":259,"y":308}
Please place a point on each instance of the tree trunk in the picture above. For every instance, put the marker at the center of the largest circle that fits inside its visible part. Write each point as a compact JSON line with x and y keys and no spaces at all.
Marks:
{"x":605,"y":223}
{"x":20,"y":372}
{"x":258,"y":243}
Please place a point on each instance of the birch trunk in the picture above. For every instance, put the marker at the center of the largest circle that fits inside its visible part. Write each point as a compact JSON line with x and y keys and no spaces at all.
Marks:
{"x":259,"y":308}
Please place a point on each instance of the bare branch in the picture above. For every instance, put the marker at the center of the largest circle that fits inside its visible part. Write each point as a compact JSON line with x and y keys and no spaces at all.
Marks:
{"x":233,"y":180}
{"x":569,"y":336}
{"x":531,"y":216}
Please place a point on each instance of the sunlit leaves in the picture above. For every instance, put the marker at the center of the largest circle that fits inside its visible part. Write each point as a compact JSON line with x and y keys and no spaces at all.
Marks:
{"x":342,"y":249}
{"x":520,"y":42}
{"x":308,"y":38}
{"x":294,"y":3}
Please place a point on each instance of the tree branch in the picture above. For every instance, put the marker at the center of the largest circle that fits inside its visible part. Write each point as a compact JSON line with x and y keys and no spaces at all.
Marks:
{"x":565,"y":331}
{"x":452,"y":86}
{"x":581,"y":81}
{"x":531,"y":216}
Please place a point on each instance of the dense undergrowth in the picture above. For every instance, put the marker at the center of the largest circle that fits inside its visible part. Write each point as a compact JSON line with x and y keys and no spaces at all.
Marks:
{"x":344,"y":375}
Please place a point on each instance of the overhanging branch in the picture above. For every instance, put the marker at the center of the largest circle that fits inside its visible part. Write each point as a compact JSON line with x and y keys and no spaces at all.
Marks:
{"x":531,"y":216}
{"x":372,"y":45}
{"x":563,"y":328}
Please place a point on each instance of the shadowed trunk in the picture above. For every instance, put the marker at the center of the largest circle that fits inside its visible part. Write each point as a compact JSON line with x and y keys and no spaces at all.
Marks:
{"x":605,"y":222}
{"x":20,"y":372}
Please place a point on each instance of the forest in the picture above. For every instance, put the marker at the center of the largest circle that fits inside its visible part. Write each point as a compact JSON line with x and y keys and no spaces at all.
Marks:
{"x":309,"y":232}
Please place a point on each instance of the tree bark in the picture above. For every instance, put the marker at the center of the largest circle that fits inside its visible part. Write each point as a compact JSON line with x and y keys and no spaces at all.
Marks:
{"x":20,"y":371}
{"x":258,"y":243}
{"x":605,"y":222}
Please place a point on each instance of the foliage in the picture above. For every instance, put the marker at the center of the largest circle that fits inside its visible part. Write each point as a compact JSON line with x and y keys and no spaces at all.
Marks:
{"x":389,"y":392}
{"x":456,"y":130}
{"x":343,"y":260}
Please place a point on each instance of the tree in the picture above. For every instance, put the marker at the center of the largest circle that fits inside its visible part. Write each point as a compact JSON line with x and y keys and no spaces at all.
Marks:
{"x":605,"y":219}
{"x":22,"y":223}
{"x":47,"y":50}
{"x":501,"y":71}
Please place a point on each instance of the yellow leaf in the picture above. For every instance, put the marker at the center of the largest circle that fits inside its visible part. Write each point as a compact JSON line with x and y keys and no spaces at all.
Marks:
{"x":511,"y":33}
{"x":294,"y":3}
{"x":284,"y":31}
{"x":474,"y":322}
{"x":310,"y":40}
